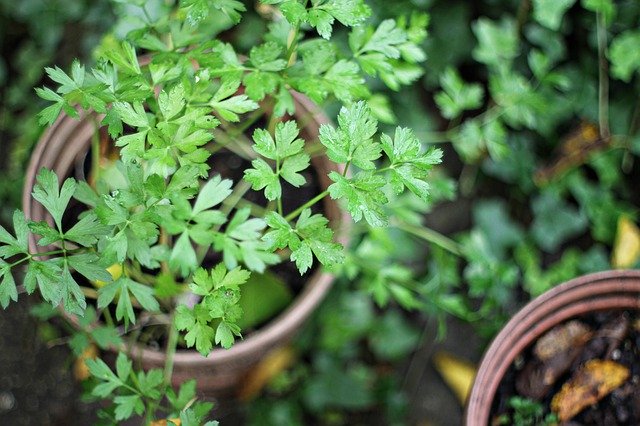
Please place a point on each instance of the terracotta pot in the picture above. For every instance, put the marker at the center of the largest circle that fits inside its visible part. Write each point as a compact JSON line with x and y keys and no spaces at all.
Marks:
{"x":611,"y":290}
{"x":219,"y":374}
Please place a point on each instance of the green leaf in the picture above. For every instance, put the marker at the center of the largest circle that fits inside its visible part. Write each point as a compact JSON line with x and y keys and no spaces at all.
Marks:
{"x":265,"y":57}
{"x":408,"y":166}
{"x":132,"y":114}
{"x":457,"y":95}
{"x":625,"y":55}
{"x":87,"y":230}
{"x":8,"y":289}
{"x":363,"y":194}
{"x":386,"y":40}
{"x":212,"y":193}
{"x":260,"y":176}
{"x":49,"y":115}
{"x":123,"y":367}
{"x":322,"y":21}
{"x":230,"y":108}
{"x":293,"y":11}
{"x":54,"y":199}
{"x":225,"y":334}
{"x":122,"y":287}
{"x":126,"y":405}
{"x":258,"y":84}
{"x":606,"y":7}
{"x":199,"y":332}
{"x":144,"y":295}
{"x":87,"y":265}
{"x":348,"y":12}
{"x":171,"y":103}
{"x":550,"y":12}
{"x":555,"y":221}
{"x":183,"y":256}
{"x":497,"y":42}
{"x":353,"y":141}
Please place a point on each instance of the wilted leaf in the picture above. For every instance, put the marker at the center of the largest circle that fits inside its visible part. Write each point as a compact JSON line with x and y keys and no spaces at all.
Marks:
{"x":457,"y":373}
{"x":164,"y":422}
{"x":575,"y":149}
{"x":80,"y":369}
{"x":276,"y":361}
{"x":626,"y":250}
{"x":595,"y":380}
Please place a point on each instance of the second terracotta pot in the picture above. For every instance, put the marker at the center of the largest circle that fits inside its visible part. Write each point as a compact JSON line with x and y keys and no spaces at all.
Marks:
{"x":611,"y":290}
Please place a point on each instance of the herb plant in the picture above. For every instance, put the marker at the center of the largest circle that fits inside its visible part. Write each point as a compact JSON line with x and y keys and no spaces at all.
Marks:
{"x":172,"y":96}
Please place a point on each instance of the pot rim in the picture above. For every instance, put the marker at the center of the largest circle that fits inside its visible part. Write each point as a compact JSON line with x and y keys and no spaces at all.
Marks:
{"x":279,"y":328}
{"x":614,"y":289}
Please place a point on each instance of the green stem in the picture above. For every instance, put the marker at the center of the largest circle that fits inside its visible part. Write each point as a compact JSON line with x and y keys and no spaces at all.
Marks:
{"x":431,"y":236}
{"x":172,"y":344}
{"x":306,"y":205}
{"x":603,"y":77}
{"x":95,"y":153}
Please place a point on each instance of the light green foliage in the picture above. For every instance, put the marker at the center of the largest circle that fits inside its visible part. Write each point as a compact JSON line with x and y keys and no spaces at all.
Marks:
{"x":125,"y":288}
{"x":605,"y":7}
{"x":555,"y":221}
{"x":286,"y":151}
{"x":457,"y":96}
{"x":408,"y":166}
{"x":624,"y":55}
{"x":497,"y":42}
{"x":550,"y":12}
{"x":220,"y":291}
{"x":311,"y":236}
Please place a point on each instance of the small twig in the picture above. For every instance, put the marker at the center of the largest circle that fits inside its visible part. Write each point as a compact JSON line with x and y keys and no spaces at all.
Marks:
{"x":603,"y":77}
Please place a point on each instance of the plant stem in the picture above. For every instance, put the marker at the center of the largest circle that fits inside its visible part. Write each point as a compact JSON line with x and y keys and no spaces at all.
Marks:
{"x":603,"y":77}
{"x":95,"y":154}
{"x":306,"y":205}
{"x":431,"y":236}
{"x":172,"y":344}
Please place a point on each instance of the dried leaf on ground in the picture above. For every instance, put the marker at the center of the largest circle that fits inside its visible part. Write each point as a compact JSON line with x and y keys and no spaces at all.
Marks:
{"x":576,"y":148}
{"x":456,"y":372}
{"x":164,"y":422}
{"x":80,"y":369}
{"x":626,"y":250}
{"x":275,"y":362}
{"x":561,"y":338}
{"x":595,"y":380}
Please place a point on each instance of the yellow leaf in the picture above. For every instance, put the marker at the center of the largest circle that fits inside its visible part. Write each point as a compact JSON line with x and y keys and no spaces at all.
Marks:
{"x":276,"y":361}
{"x":626,"y":250}
{"x":80,"y":369}
{"x":457,"y":373}
{"x":116,"y":272}
{"x":592,"y":382}
{"x":164,"y":422}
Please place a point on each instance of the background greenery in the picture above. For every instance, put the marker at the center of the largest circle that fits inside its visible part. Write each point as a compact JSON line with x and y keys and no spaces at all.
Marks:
{"x":536,"y":105}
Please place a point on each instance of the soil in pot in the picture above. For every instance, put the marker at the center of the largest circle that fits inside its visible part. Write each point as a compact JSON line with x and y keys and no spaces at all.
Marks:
{"x":584,"y":371}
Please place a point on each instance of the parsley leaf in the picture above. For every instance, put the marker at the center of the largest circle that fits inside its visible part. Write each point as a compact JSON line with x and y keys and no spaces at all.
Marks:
{"x":408,"y":167}
{"x":53,"y":198}
{"x":363,"y":194}
{"x":352,"y":142}
{"x":286,"y":150}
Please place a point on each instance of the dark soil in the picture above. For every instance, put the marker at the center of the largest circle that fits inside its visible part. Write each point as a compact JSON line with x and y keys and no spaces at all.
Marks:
{"x":36,"y":383}
{"x":612,"y":336}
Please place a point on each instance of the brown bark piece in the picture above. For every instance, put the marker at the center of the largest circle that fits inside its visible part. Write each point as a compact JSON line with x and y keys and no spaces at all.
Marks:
{"x":595,"y":380}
